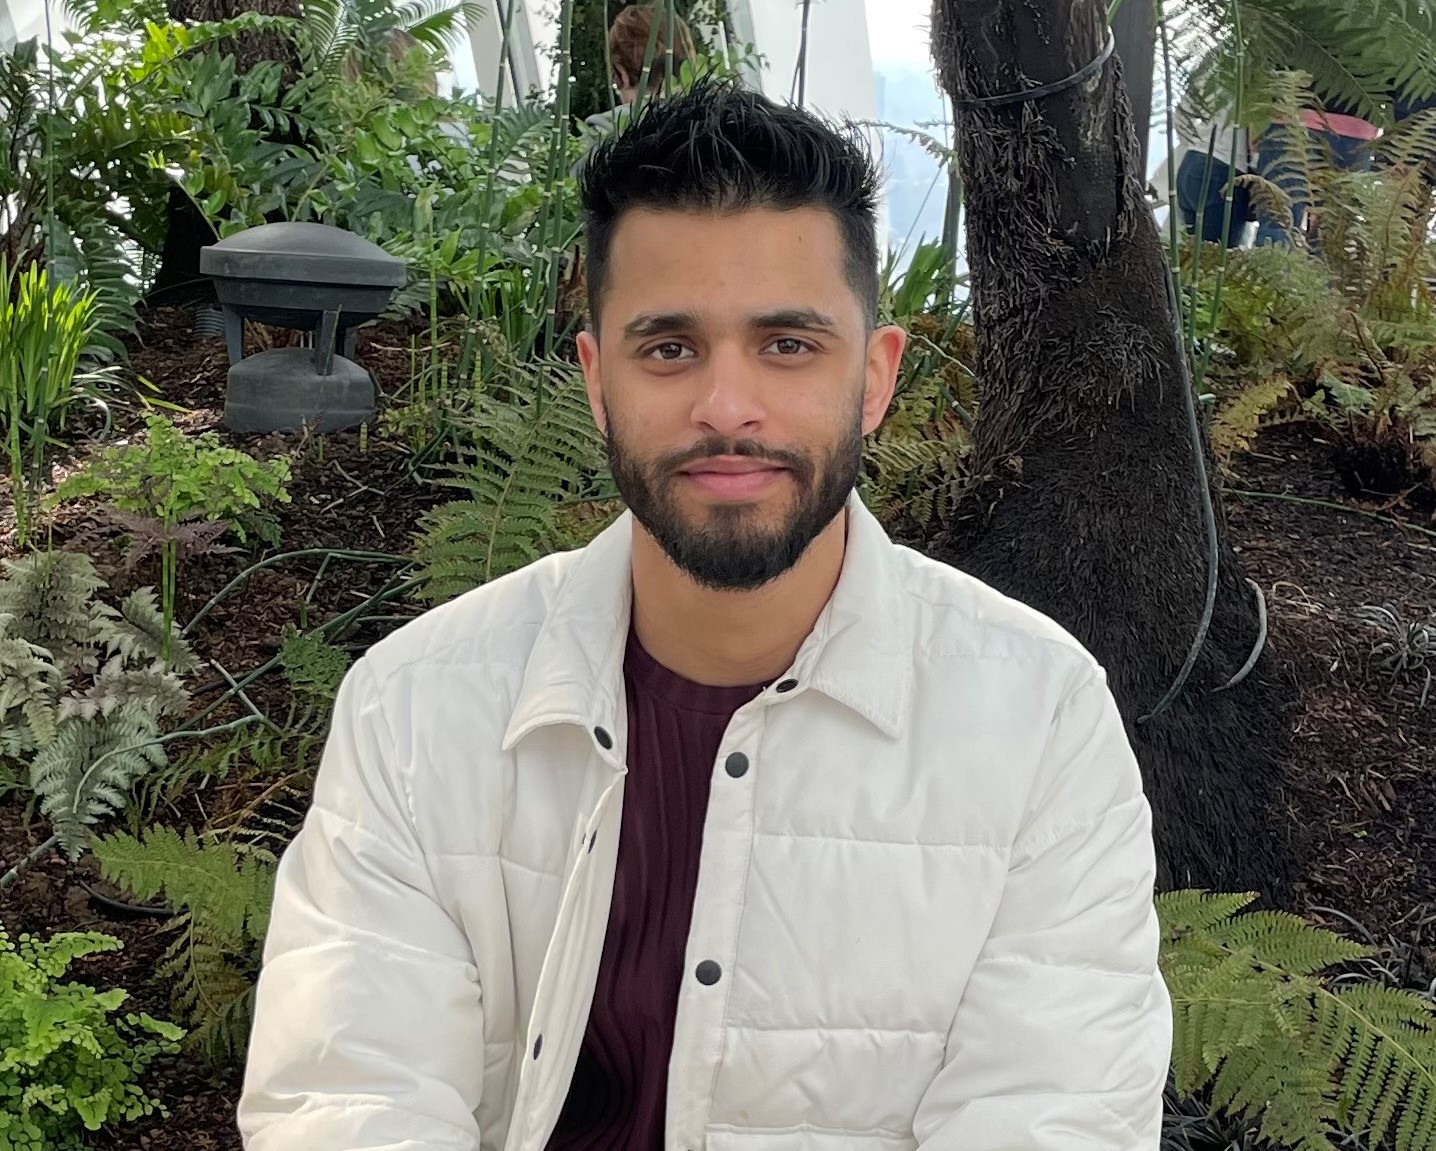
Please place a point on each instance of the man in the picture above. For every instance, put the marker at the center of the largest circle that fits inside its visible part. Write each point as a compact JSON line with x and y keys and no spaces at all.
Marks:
{"x":741,"y":828}
{"x":1213,"y":152}
{"x":628,"y":41}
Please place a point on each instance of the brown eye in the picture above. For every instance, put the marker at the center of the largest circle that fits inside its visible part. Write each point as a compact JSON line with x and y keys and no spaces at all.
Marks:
{"x":669,"y":351}
{"x":789,"y":345}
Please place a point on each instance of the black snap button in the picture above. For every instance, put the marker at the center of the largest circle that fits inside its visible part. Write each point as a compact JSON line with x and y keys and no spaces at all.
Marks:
{"x":538,"y":1046}
{"x":605,"y":740}
{"x":737,"y":765}
{"x":708,"y":973}
{"x":787,"y":685}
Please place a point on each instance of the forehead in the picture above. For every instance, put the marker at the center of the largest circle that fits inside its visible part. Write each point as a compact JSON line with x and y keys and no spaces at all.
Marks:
{"x":721,"y":265}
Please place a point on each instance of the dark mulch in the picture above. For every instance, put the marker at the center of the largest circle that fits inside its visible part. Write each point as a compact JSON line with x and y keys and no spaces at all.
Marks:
{"x":1361,"y":775}
{"x":1360,"y":782}
{"x":350,"y":491}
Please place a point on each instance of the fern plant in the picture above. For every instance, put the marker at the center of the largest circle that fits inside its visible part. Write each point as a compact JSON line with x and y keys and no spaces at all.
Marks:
{"x":1258,"y":1028}
{"x":533,"y":449}
{"x":68,"y":1064}
{"x":177,"y":494}
{"x":1356,"y":51}
{"x":82,"y":688}
{"x":914,"y":464}
{"x":220,"y":884}
{"x":221,"y":893}
{"x":1340,"y":329}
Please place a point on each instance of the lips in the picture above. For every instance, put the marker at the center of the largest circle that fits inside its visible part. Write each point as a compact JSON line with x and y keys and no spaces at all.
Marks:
{"x":732,"y":478}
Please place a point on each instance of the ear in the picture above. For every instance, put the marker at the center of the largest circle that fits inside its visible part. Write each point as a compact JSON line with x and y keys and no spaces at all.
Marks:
{"x":620,"y":78}
{"x":885,"y":348}
{"x":592,"y":377}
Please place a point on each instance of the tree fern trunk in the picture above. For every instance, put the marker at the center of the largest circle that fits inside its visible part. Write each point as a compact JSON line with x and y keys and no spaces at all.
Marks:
{"x":1087,"y":505}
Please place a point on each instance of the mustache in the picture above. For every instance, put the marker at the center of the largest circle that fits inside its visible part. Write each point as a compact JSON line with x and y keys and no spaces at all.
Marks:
{"x":750,"y":449}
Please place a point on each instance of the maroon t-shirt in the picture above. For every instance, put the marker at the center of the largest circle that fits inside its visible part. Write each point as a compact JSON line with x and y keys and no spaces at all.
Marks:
{"x":617,"y":1097}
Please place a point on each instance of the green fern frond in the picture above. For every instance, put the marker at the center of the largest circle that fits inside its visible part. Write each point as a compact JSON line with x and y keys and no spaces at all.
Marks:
{"x":1412,"y":142}
{"x":213,"y":990}
{"x":312,"y":667}
{"x":1237,"y":423}
{"x":222,"y":894}
{"x":225,"y":889}
{"x":1271,"y":1041}
{"x":152,"y":689}
{"x":534,"y":446}
{"x":48,"y":597}
{"x":1391,"y":1035}
{"x":26,"y":674}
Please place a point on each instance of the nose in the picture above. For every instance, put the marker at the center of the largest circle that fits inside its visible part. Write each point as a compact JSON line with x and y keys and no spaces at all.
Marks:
{"x":730,"y":402}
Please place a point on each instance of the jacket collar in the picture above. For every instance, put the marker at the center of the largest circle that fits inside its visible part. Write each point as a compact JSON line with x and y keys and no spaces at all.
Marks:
{"x":859,"y":653}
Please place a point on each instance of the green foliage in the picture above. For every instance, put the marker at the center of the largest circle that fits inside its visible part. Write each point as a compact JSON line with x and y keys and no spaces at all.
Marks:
{"x":349,"y":37}
{"x":44,"y":329}
{"x":67,"y":1064}
{"x":221,"y":894}
{"x":1356,"y":53}
{"x":1258,"y":1028}
{"x":82,"y":688}
{"x":534,"y":448}
{"x":177,"y":493}
{"x":913,"y":467}
{"x":283,"y":755}
{"x":588,"y":49}
{"x":173,"y":477}
{"x":914,"y":464}
{"x":312,"y":667}
{"x":1340,"y":327}
{"x":928,"y":284}
{"x":1235,"y":427}
{"x":111,"y":121}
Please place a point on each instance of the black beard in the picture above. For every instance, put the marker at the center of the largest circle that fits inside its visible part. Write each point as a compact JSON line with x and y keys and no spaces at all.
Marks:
{"x":727,"y":554}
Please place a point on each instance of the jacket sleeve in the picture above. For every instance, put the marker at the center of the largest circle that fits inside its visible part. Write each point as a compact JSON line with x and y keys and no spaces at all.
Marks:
{"x":1063,"y":1036}
{"x":368,"y":1030}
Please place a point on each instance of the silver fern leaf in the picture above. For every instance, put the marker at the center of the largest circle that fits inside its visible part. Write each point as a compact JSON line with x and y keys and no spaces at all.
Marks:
{"x":86,"y":772}
{"x":136,"y":632}
{"x":152,"y":688}
{"x":49,"y":597}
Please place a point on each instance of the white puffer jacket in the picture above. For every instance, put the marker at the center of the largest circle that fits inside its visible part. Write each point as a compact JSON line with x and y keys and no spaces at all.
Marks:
{"x":929,"y":898}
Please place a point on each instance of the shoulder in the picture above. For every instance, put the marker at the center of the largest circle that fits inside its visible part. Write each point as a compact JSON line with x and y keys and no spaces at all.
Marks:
{"x":492,"y":626}
{"x":957,"y":615}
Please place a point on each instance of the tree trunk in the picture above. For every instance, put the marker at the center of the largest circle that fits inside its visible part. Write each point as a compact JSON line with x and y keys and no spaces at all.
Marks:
{"x":1135,"y":29}
{"x":1086,"y":503}
{"x":178,"y":280}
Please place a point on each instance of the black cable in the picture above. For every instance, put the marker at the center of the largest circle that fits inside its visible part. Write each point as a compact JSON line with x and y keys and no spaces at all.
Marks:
{"x":1209,"y":515}
{"x":127,"y":908}
{"x":1246,"y":668}
{"x":1004,"y":98}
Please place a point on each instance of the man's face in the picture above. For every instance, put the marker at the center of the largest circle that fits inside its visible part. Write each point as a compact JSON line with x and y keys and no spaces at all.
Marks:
{"x":736,"y":380}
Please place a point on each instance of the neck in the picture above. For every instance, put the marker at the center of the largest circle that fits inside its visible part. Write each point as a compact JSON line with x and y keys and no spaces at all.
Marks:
{"x":731,"y":638}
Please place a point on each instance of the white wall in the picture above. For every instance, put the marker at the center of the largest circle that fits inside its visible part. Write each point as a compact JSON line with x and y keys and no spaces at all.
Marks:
{"x":840,"y":68}
{"x":23,"y":19}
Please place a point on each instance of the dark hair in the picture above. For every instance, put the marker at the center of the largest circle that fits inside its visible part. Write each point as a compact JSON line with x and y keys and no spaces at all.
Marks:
{"x":723,"y":148}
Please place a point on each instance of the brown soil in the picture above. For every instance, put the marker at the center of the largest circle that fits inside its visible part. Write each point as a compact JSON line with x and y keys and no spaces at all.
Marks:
{"x":1359,"y":784}
{"x":1360,"y":779}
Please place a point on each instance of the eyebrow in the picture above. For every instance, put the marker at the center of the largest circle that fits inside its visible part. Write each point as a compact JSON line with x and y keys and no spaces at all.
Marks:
{"x":659,"y":323}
